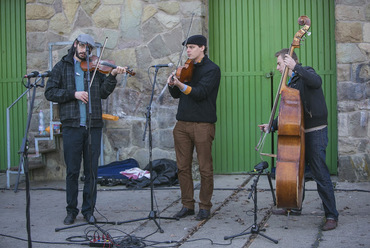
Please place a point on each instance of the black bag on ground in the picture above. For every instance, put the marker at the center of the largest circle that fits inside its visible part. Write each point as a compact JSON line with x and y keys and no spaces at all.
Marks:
{"x":164,"y":174}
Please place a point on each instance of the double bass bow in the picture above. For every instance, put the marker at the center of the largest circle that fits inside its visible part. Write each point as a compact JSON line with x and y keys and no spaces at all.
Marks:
{"x":290,"y":161}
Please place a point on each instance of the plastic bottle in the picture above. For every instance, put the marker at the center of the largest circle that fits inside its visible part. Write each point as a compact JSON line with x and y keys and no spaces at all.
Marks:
{"x":41,"y":123}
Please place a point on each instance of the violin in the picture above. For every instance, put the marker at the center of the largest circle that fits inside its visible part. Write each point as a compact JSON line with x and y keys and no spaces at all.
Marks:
{"x":105,"y":66}
{"x":185,"y":73}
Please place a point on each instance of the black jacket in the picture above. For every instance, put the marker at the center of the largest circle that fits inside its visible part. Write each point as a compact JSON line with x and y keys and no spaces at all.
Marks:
{"x":309,"y":83}
{"x":61,"y":88}
{"x":200,"y":104}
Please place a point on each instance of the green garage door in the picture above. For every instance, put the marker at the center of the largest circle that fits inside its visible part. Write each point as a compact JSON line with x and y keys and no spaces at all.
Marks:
{"x":12,"y":67}
{"x":244,"y":36}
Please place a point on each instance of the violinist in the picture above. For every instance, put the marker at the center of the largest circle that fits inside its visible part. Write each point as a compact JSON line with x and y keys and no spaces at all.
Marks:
{"x":68,"y":86}
{"x":195,"y":126}
{"x":309,"y":84}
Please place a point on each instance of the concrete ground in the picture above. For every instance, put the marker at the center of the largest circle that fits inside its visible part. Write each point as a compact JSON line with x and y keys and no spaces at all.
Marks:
{"x":232,"y":214}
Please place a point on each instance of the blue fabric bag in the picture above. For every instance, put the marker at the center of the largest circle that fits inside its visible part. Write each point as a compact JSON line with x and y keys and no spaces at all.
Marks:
{"x":109,"y":175}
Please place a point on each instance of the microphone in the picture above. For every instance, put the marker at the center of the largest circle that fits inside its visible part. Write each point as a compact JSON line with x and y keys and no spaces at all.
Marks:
{"x":163,"y":65}
{"x":32,"y":74}
{"x":45,"y":74}
{"x":261,"y":166}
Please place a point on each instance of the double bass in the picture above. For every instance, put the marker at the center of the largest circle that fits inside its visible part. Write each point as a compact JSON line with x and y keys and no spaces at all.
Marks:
{"x":290,"y":162}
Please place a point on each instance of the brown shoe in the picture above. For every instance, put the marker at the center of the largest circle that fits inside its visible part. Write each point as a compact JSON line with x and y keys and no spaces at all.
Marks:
{"x":330,"y":224}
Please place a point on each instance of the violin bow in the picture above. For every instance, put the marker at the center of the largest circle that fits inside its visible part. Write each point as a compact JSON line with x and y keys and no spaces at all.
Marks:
{"x":160,"y":97}
{"x":97,"y":65}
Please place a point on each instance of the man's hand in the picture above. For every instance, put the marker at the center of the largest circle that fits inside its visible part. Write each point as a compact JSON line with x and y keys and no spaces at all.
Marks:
{"x":289,"y":62}
{"x":82,"y":95}
{"x":118,"y":70}
{"x":263,"y":127}
{"x":172,"y":80}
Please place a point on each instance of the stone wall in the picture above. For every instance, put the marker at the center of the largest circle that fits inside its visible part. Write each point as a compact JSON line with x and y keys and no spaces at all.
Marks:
{"x":140,"y":33}
{"x":147,"y":32}
{"x":353,"y":88}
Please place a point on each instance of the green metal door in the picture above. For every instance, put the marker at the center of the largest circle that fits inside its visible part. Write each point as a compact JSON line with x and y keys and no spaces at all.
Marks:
{"x":244,"y":36}
{"x":12,"y":67}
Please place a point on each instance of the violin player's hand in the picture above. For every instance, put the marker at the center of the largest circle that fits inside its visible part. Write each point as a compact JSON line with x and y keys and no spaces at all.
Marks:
{"x":82,"y":95}
{"x":172,"y":80}
{"x":118,"y":70}
{"x":263,"y":127}
{"x":289,"y":61}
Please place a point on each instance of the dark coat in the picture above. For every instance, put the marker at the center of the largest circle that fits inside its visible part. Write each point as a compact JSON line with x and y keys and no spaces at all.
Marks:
{"x":61,"y":88}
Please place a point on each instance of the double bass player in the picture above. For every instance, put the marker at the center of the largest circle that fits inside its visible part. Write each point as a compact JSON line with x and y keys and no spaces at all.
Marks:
{"x":309,"y":83}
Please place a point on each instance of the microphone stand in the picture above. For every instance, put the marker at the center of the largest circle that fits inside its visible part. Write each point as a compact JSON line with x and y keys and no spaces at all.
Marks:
{"x":255,"y":229}
{"x":152,"y":214}
{"x":24,"y":157}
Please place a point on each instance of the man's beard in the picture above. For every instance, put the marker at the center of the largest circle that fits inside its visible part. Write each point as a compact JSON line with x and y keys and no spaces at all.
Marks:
{"x":78,"y":56}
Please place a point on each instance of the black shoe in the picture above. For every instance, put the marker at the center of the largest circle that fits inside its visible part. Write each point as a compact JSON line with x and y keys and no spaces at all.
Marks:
{"x":70,"y":219}
{"x":203,"y":214}
{"x":90,"y":218}
{"x":184,"y":212}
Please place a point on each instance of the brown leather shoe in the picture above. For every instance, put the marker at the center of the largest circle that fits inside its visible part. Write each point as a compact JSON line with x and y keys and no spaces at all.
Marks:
{"x":184,"y":212}
{"x":330,"y":224}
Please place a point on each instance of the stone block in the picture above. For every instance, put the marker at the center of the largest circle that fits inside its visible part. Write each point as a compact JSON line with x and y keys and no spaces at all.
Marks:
{"x":342,"y":124}
{"x":148,"y":12}
{"x":104,"y":20}
{"x":363,"y":73}
{"x":349,"y":13}
{"x":90,"y":6}
{"x":168,"y":21}
{"x":348,"y":32}
{"x":354,"y":125}
{"x":366,"y":32}
{"x":174,"y":39}
{"x":171,"y":8}
{"x":343,"y":72}
{"x":130,"y":20}
{"x":118,"y":138}
{"x":39,"y":12}
{"x":166,"y":139}
{"x":70,"y":9}
{"x":346,"y":170}
{"x":37,"y":26}
{"x":350,"y":91}
{"x":349,"y":53}
{"x":83,"y":20}
{"x":60,"y":24}
{"x":151,"y":28}
{"x":158,"y":48}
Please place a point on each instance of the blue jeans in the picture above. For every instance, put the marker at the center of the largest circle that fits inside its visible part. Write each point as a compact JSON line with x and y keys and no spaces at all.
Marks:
{"x":316,"y":143}
{"x":76,"y":147}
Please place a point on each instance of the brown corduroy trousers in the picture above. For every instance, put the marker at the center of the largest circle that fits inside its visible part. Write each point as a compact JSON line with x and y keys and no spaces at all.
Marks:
{"x":200,"y":135}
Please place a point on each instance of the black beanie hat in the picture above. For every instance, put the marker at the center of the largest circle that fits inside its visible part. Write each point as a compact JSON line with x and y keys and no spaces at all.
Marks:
{"x":197,"y":40}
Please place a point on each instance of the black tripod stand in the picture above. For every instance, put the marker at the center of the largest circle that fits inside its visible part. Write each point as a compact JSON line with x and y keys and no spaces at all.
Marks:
{"x":24,"y":150}
{"x":255,"y":229}
{"x":152,"y":214}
